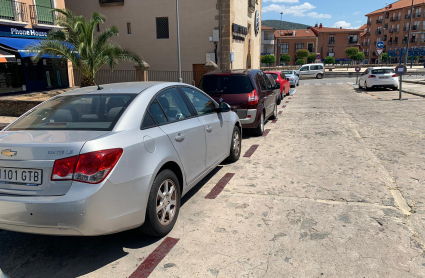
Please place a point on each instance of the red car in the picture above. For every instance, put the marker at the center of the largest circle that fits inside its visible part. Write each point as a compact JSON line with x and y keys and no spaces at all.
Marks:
{"x":285,"y":86}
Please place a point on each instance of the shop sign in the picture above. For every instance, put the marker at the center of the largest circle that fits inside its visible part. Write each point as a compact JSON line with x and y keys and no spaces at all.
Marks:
{"x":239,"y":32}
{"x":16,"y":32}
{"x":257,"y":23}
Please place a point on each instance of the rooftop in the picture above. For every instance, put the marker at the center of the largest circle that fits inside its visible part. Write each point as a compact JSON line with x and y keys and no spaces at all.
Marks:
{"x":397,"y":5}
{"x":298,"y":33}
{"x":336,"y":30}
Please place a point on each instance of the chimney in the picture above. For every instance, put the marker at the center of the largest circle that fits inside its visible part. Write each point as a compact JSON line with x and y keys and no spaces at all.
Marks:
{"x":340,"y":27}
{"x":294,"y":33}
{"x":320,"y":27}
{"x":316,"y":25}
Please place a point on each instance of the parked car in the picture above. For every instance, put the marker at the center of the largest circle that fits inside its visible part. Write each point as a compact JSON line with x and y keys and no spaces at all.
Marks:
{"x":276,"y":87}
{"x":280,"y":78}
{"x":292,"y":77}
{"x":249,"y":93}
{"x":383,"y":77}
{"x":311,"y":70}
{"x":93,"y":162}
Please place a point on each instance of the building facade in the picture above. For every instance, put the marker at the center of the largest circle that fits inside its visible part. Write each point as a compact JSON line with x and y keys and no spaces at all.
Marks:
{"x":149,"y":28}
{"x":391,"y":25}
{"x":290,"y":41}
{"x":21,"y":24}
{"x":334,"y":41}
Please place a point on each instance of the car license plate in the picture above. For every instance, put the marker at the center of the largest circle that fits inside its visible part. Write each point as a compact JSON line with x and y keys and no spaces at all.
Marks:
{"x":384,"y":77}
{"x":17,"y":175}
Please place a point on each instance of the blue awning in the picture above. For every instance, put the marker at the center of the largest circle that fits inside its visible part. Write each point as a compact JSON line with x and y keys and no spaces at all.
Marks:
{"x":21,"y":45}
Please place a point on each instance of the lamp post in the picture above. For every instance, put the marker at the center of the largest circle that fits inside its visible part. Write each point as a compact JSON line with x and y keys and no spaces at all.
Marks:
{"x":408,"y":36}
{"x":280,"y":37}
{"x":178,"y":42}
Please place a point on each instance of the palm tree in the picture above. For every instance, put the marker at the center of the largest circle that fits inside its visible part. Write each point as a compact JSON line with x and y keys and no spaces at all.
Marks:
{"x":76,"y":42}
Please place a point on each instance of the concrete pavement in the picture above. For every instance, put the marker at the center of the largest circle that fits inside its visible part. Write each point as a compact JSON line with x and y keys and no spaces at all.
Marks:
{"x":334,"y":190}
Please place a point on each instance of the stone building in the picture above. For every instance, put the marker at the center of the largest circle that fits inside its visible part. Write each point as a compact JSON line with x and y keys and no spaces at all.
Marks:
{"x":149,"y":28}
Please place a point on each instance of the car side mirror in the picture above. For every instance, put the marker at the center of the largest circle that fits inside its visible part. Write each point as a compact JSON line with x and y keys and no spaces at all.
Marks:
{"x":277,"y":86}
{"x":224,"y":107}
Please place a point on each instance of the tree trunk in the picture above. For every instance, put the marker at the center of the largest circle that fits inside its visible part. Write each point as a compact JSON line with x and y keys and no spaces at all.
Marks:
{"x":87,"y":81}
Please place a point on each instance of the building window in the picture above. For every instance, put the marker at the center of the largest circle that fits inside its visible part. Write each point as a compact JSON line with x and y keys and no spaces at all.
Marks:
{"x":162,"y":31}
{"x":129,"y":28}
{"x":284,"y":48}
{"x":332,"y":39}
{"x":299,"y":46}
{"x":310,"y":47}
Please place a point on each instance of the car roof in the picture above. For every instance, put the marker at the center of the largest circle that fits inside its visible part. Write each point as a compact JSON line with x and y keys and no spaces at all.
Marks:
{"x":121,"y":88}
{"x":381,"y":68}
{"x":234,"y":71}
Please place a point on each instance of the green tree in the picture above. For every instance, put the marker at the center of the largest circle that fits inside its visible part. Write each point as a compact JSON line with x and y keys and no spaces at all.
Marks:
{"x":330,"y":60}
{"x":268,"y":59}
{"x":285,"y":58}
{"x":76,"y":42}
{"x":351,"y":51}
{"x":311,"y":58}
{"x":300,"y":62}
{"x":302,"y":53}
{"x":384,"y":56}
{"x":358,"y":57}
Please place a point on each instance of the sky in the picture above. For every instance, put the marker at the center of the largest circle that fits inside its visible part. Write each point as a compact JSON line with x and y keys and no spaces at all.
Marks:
{"x":332,"y":13}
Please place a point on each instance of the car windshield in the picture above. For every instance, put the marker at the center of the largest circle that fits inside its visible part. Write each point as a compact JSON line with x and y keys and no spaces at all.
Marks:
{"x":76,"y":112}
{"x":287,"y":72}
{"x":382,"y":71}
{"x":226,"y":84}
{"x":274,"y":75}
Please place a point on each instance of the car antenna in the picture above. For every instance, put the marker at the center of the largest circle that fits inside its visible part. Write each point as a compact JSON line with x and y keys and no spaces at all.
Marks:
{"x":98,"y":87}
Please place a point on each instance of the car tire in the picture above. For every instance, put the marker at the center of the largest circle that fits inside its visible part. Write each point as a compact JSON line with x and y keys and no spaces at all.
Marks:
{"x":235,"y":145}
{"x":279,"y":99}
{"x":365,"y":86}
{"x":319,"y":76}
{"x":298,"y":84}
{"x":259,"y":130}
{"x":154,"y":226}
{"x":274,"y":116}
{"x":395,"y":89}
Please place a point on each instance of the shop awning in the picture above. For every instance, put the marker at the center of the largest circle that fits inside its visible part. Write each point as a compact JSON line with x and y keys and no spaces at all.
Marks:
{"x":6,"y":57}
{"x":21,"y":45}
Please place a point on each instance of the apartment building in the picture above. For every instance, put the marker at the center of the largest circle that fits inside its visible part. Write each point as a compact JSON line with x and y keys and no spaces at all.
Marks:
{"x":22,"y":23}
{"x":267,"y":40}
{"x":334,"y":41}
{"x":149,"y":28}
{"x":290,"y":41}
{"x":391,"y":24}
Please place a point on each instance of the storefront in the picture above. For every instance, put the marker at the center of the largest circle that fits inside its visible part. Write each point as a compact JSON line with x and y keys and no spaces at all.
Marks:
{"x":18,"y":71}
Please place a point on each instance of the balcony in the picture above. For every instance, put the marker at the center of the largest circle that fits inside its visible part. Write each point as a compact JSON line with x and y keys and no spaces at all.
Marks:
{"x":15,"y":12}
{"x":404,"y":42}
{"x":352,"y":41}
{"x":369,"y":23}
{"x":267,"y":41}
{"x":390,"y":43}
{"x":417,"y":15}
{"x":391,"y":31}
{"x":367,"y":34}
{"x":103,"y":3}
{"x":332,"y":54}
{"x":395,"y":42}
{"x":331,"y":42}
{"x":365,"y":44}
{"x":405,"y":29}
{"x":397,"y":30}
{"x":415,"y":27}
{"x":407,"y":16}
{"x":378,"y":32}
{"x":414,"y":39}
{"x":251,"y":5}
{"x":43,"y":16}
{"x":366,"y":54}
{"x":379,"y":21}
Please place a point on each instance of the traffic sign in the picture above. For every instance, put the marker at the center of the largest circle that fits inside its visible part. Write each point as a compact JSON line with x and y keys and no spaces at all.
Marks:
{"x":379,"y":51}
{"x":400,"y":70}
{"x":358,"y":69}
{"x":318,"y":57}
{"x":380,"y":44}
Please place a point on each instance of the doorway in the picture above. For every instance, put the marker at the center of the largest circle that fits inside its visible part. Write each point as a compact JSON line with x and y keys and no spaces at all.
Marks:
{"x":198,"y":72}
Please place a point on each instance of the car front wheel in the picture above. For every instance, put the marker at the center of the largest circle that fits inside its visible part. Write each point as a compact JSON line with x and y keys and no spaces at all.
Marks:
{"x":163,"y":205}
{"x":319,"y":76}
{"x":259,"y":130}
{"x":235,"y":146}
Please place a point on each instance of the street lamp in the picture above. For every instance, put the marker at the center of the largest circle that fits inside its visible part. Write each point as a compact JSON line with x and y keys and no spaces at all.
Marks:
{"x":178,"y":42}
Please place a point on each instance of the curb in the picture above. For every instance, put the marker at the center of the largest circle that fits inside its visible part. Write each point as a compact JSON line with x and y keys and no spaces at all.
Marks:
{"x":413,"y":93}
{"x":414,"y":82}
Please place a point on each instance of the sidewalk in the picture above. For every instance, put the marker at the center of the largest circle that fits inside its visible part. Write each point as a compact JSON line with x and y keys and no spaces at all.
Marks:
{"x":414,"y":88}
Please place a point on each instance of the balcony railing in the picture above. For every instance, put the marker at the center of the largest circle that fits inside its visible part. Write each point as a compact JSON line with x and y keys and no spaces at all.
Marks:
{"x":407,"y":16}
{"x":390,"y":43}
{"x":379,"y":21}
{"x":391,"y":31}
{"x":14,"y":11}
{"x":43,"y":15}
{"x":385,"y":38}
{"x":414,"y":40}
{"x":369,"y":23}
{"x":396,"y":30}
{"x":365,"y":44}
{"x":352,"y":41}
{"x":366,"y":54}
{"x":404,"y":42}
{"x":417,"y":15}
{"x":251,"y":5}
{"x":415,"y":27}
{"x":331,"y":42}
{"x":405,"y":28}
{"x":378,"y":32}
{"x":111,"y":2}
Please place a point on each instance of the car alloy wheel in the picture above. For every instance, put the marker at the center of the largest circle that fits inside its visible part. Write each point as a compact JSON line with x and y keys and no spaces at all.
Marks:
{"x":236,"y":143}
{"x":166,"y":202}
{"x":262,"y":123}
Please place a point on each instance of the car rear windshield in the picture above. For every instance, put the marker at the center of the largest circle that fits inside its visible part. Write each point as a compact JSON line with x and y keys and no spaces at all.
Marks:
{"x":287,"y":72}
{"x":274,"y":75}
{"x":382,"y":71}
{"x":76,"y":112}
{"x":226,"y":84}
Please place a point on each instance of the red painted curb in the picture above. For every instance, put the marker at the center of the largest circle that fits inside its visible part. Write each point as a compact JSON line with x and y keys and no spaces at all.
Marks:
{"x":149,"y":264}
{"x":219,"y":186}
{"x":280,"y":112}
{"x":251,"y":151}
{"x":274,"y":121}
{"x":284,"y":106}
{"x":266,"y":132}
{"x":287,"y":102}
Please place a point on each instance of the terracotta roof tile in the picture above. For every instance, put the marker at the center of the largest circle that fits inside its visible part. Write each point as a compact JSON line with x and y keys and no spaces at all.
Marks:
{"x":266,"y":28}
{"x":298,"y":33}
{"x":335,"y":30}
{"x":398,"y":5}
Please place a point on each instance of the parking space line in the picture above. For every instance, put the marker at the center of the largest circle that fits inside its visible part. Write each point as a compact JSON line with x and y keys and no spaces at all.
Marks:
{"x":274,"y":121}
{"x":266,"y":132}
{"x":284,"y":106}
{"x":251,"y":151}
{"x":149,"y":264}
{"x":287,"y":102}
{"x":219,"y":186}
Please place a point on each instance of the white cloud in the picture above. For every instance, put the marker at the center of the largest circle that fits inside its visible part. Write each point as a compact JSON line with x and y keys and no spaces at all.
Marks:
{"x":298,"y":10}
{"x":281,"y":1}
{"x":356,"y":13}
{"x":345,"y":25}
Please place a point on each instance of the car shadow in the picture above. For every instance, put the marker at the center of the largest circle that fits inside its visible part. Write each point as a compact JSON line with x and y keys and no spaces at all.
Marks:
{"x":28,"y":255}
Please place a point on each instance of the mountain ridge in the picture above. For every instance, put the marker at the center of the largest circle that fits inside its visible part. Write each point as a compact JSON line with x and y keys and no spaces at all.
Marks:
{"x":283,"y":25}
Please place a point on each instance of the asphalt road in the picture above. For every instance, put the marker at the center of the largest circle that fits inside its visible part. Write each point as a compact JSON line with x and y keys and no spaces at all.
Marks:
{"x":334,"y":190}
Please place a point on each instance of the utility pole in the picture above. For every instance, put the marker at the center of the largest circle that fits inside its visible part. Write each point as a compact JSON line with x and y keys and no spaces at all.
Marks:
{"x":280,"y":36}
{"x":408,"y":36}
{"x":178,"y":42}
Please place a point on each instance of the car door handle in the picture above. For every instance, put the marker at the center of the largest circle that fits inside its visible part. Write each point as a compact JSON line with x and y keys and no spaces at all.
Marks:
{"x":179,"y":138}
{"x":209,"y":129}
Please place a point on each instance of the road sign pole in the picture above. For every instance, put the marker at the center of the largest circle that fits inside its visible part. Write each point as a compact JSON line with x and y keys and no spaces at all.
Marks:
{"x":401,"y":82}
{"x":357,"y":79}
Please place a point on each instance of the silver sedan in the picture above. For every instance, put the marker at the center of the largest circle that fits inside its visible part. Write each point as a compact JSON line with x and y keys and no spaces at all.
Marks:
{"x":93,"y":162}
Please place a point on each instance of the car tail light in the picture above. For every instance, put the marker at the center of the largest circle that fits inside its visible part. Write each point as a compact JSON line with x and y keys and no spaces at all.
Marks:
{"x":253,"y":97}
{"x":372,"y":76}
{"x":293,"y":79}
{"x":91,"y":167}
{"x":394,"y":75}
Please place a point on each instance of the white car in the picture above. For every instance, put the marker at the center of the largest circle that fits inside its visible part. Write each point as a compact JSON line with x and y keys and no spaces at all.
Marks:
{"x":383,"y":77}
{"x":311,"y":70}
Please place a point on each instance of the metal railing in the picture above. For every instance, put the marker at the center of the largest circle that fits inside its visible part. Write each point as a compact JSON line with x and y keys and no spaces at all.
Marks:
{"x":13,"y":10}
{"x":378,"y":32}
{"x":331,"y":41}
{"x":43,"y":15}
{"x":405,"y":28}
{"x":352,"y":41}
{"x":108,"y":76}
{"x":106,"y":2}
{"x":379,"y":21}
{"x":417,"y":15}
{"x":369,"y":23}
{"x":414,"y":40}
{"x":391,"y":31}
{"x":407,"y":16}
{"x":415,"y":27}
{"x":367,"y":34}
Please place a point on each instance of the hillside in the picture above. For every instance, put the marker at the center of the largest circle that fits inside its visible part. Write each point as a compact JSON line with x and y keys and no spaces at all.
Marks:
{"x":285,"y":25}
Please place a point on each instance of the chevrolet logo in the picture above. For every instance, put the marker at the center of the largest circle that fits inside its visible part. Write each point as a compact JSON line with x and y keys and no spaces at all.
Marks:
{"x":8,"y":153}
